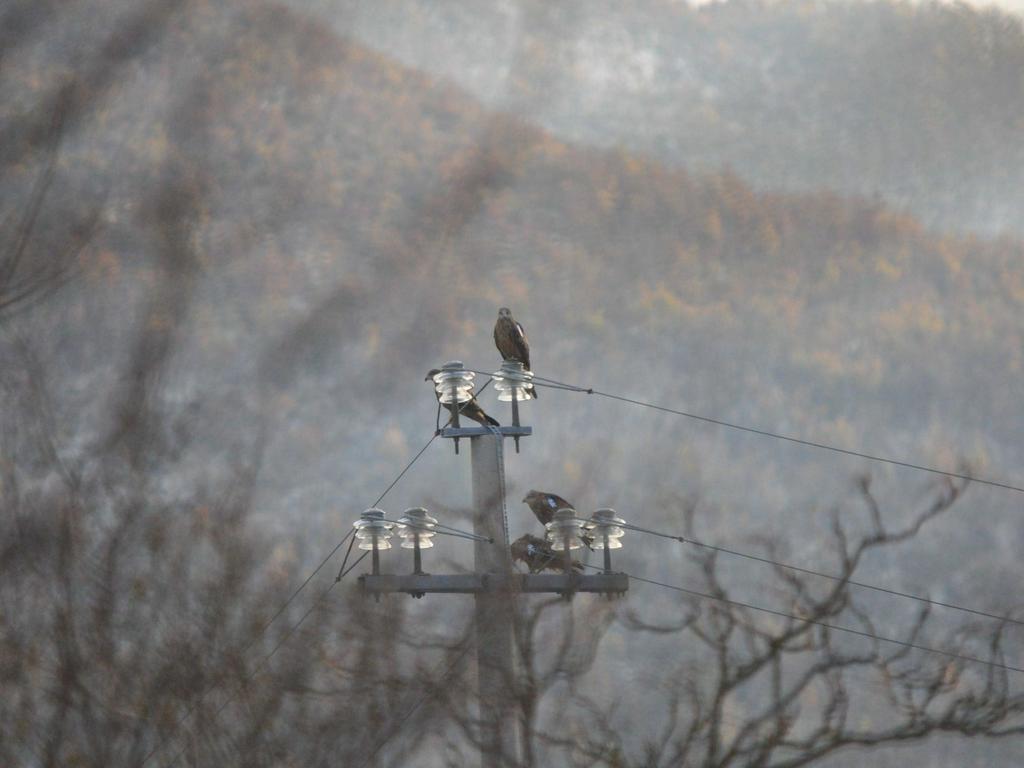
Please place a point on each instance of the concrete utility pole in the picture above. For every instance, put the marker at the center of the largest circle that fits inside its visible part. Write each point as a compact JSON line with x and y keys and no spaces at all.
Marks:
{"x":494,"y":650}
{"x":494,"y":585}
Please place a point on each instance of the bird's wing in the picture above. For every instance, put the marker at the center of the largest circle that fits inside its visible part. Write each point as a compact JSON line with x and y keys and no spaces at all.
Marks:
{"x":472,"y":410}
{"x":556,"y":502}
{"x":524,"y":344}
{"x":542,"y":513}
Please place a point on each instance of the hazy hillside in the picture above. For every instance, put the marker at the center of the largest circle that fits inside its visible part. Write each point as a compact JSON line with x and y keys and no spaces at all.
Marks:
{"x":350,"y":222}
{"x":921,"y":104}
{"x":330,"y":184}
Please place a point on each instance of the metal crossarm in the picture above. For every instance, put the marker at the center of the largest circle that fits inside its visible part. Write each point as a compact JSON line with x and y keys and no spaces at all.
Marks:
{"x":482,"y":431}
{"x":418,"y":584}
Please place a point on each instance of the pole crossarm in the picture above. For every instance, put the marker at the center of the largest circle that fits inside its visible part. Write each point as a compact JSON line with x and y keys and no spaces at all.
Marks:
{"x":477,"y":583}
{"x":605,"y":583}
{"x":483,"y":431}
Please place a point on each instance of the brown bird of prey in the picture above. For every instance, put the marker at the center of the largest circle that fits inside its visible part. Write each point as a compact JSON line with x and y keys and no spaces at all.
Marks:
{"x":511,"y":341}
{"x":471,"y":410}
{"x":538,"y":555}
{"x":544,"y":505}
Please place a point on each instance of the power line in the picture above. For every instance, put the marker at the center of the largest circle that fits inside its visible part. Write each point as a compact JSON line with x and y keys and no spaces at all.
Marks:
{"x":822,"y":574}
{"x":291,"y":631}
{"x":341,"y":570}
{"x":301,"y":587}
{"x":295,"y":594}
{"x":541,"y":381}
{"x":825,"y":624}
{"x":338,"y":546}
{"x":554,"y":384}
{"x":851,"y":582}
{"x":294,"y":628}
{"x":280,"y":643}
{"x":401,"y":474}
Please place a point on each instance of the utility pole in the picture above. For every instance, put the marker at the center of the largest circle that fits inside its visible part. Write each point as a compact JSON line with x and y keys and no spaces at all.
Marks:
{"x":494,"y":642}
{"x":494,"y":585}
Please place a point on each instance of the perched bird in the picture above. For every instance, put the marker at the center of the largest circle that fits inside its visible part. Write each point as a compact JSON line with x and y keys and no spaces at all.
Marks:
{"x":471,"y":410}
{"x":538,"y":555}
{"x":511,"y":341}
{"x":544,"y":505}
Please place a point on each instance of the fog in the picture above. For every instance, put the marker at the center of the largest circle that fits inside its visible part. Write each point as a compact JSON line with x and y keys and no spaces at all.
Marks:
{"x":236,"y":239}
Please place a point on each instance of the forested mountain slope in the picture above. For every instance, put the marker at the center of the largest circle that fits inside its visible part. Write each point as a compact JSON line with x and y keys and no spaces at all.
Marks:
{"x":325,"y":180}
{"x":921,"y":104}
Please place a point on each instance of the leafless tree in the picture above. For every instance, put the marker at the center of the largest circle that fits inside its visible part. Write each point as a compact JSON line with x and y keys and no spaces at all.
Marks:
{"x":44,"y":233}
{"x":789,"y":687}
{"x":34,"y":264}
{"x":140,"y":627}
{"x":784,"y":686}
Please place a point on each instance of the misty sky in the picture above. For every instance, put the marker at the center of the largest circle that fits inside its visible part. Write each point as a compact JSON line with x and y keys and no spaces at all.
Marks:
{"x":1017,"y":6}
{"x":1010,"y":5}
